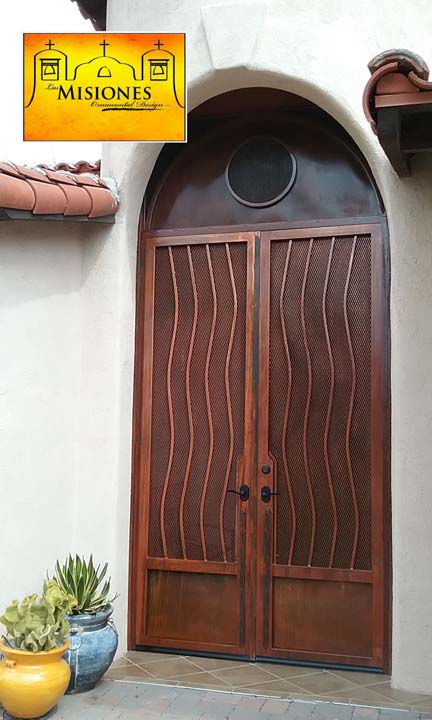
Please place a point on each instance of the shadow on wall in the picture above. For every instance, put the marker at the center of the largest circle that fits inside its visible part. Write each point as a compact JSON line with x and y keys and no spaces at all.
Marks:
{"x":38,"y":259}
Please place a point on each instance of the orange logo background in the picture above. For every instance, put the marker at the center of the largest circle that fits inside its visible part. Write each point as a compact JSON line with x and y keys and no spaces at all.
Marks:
{"x":104,"y":86}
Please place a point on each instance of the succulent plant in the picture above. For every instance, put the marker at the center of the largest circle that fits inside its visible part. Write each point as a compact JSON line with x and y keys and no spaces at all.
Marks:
{"x":83,"y":580}
{"x":38,"y":624}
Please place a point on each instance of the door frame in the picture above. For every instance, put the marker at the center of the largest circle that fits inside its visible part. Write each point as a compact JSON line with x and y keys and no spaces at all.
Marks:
{"x":142,"y":274}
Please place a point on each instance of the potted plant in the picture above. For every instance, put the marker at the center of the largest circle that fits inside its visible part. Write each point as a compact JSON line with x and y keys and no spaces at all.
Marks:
{"x":33,"y":675}
{"x":92,"y":636}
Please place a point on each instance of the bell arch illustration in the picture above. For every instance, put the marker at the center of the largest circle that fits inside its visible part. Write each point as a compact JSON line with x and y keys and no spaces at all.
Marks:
{"x":104,"y":72}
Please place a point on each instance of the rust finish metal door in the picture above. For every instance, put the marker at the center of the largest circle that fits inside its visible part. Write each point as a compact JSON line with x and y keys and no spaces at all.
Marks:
{"x":193,"y":526}
{"x":260,"y":502}
{"x":321,"y":529}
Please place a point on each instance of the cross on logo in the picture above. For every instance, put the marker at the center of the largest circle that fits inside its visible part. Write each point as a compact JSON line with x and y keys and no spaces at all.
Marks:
{"x":104,"y":44}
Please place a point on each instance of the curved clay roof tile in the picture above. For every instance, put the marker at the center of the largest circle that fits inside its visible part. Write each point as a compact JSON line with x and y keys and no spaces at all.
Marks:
{"x":15,"y":193}
{"x":394,"y":72}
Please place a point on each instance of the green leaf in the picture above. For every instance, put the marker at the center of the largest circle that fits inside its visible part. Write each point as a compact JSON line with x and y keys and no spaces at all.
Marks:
{"x":38,"y":624}
{"x":61,"y":576}
{"x":85,"y":582}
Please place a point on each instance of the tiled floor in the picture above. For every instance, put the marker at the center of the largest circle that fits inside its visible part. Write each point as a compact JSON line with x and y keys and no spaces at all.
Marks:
{"x":144,"y":701}
{"x":265,"y":679}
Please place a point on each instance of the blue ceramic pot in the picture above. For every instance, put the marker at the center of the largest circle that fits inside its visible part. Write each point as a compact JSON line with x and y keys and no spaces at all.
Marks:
{"x":93,"y":644}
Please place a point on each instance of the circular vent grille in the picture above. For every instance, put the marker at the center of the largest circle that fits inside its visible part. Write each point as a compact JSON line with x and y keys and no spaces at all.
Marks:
{"x":260,"y":171}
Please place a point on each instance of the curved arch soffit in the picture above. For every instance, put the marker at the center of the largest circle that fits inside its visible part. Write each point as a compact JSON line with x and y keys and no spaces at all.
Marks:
{"x":143,"y":156}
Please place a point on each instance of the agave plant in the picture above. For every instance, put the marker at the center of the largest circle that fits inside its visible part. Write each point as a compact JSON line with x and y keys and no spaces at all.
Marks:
{"x":84,"y":581}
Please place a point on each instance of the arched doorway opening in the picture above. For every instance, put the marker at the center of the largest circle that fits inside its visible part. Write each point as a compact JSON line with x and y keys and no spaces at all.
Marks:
{"x":260,"y":514}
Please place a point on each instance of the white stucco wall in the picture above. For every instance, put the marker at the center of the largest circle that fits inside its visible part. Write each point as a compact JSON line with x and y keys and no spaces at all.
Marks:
{"x":40,"y":367}
{"x":68,"y":308}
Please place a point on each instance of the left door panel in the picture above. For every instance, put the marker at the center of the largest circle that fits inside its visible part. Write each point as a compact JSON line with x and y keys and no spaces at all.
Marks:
{"x":195,"y":446}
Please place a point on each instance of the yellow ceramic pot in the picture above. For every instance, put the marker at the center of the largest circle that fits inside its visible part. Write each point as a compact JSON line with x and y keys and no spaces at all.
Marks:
{"x":32,"y":683}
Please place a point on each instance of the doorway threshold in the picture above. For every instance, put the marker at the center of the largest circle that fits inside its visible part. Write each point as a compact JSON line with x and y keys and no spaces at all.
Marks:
{"x":292,"y":682}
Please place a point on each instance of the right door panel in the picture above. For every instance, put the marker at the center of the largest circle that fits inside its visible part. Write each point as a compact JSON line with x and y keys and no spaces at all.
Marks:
{"x":321,"y":446}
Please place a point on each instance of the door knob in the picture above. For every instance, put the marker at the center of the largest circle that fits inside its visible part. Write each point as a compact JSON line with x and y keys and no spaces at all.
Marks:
{"x":243,"y":492}
{"x":266,"y":494}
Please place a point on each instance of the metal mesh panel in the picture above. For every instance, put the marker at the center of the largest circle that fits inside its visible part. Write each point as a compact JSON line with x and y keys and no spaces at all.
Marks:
{"x":260,"y":171}
{"x":198,"y":399}
{"x":320,"y":400}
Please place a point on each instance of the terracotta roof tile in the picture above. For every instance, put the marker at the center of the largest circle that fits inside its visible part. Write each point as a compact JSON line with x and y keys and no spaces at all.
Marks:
{"x":398,"y":73}
{"x":59,"y":192}
{"x":50,"y":200}
{"x":32,"y":173}
{"x":86,"y":180}
{"x":9,"y":169}
{"x":78,"y":201}
{"x":101,"y":199}
{"x":79,"y":167}
{"x":16,"y":193}
{"x":60,"y":177}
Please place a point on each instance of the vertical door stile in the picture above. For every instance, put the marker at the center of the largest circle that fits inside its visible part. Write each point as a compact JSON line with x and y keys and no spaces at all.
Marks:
{"x":248,"y":462}
{"x":265,"y":464}
{"x":141,"y":537}
{"x":380,"y":494}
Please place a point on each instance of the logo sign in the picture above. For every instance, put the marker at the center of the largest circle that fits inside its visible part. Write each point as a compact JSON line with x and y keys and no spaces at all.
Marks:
{"x":104,"y":86}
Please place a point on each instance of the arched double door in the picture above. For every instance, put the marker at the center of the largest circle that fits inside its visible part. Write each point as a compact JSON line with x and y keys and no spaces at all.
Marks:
{"x":260,"y":493}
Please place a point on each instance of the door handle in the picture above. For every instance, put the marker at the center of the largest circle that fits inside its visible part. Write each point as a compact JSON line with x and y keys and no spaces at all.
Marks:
{"x":243,"y":492}
{"x":266,"y":494}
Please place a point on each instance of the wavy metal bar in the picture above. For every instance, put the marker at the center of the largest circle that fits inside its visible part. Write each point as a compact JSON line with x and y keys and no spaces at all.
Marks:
{"x":287,"y":408}
{"x":207,"y":394}
{"x":350,"y":412}
{"x":189,"y":405}
{"x":228,"y":399}
{"x":170,"y":406}
{"x":329,"y":408}
{"x":307,"y":409}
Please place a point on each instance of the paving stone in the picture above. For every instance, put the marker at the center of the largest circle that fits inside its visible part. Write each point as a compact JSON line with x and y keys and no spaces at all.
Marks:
{"x":275,"y":706}
{"x":333,"y":711}
{"x":365,"y":713}
{"x":215,"y":711}
{"x":299,"y":710}
{"x":252,"y":705}
{"x":397,"y":714}
{"x":154,"y":696}
{"x":218,"y":706}
{"x":247,"y":714}
{"x":252,"y":702}
{"x":110,"y":698}
{"x":187,"y":702}
{"x":223,"y":697}
{"x":182,"y":716}
{"x":87,"y":712}
{"x":137,"y":702}
{"x":136,"y":714}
